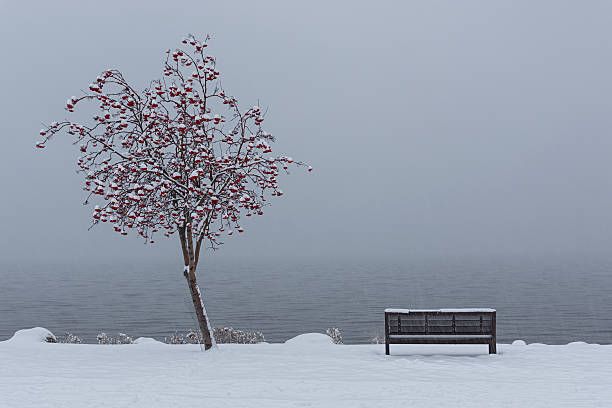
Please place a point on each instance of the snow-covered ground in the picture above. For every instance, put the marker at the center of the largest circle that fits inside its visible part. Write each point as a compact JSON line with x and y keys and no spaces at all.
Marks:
{"x":307,"y":371}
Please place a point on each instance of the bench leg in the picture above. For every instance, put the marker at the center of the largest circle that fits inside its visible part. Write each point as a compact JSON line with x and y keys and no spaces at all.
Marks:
{"x":387,"y":348}
{"x":493,"y":347}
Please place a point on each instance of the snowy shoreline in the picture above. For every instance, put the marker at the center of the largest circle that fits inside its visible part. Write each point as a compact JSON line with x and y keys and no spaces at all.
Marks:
{"x":308,"y":370}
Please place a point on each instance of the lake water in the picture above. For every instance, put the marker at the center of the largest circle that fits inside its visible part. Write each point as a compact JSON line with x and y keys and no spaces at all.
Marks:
{"x":539,"y":299}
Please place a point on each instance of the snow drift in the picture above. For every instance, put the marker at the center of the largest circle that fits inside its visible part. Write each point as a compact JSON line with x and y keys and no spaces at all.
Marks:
{"x":33,"y":335}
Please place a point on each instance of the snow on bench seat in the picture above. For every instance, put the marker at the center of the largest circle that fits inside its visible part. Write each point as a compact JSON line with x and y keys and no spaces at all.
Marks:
{"x":469,"y":310}
{"x":438,"y":336}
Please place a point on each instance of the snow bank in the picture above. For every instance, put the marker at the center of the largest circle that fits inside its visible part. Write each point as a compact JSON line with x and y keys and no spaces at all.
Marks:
{"x":306,"y":371}
{"x":33,"y":335}
{"x":146,"y":340}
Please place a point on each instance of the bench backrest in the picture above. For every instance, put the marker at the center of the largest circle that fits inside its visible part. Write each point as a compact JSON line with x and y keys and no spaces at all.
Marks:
{"x":440,"y":322}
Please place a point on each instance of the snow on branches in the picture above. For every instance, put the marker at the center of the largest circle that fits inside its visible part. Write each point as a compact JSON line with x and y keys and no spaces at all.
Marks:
{"x":179,"y":155}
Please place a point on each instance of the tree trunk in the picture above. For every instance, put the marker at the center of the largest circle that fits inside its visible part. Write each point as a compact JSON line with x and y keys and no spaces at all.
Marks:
{"x":191,"y":258}
{"x":198,"y":304}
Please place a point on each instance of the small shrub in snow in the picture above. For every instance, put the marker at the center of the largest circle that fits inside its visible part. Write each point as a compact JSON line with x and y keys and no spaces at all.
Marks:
{"x":194,"y":337}
{"x":335,"y":335}
{"x":69,"y":338}
{"x":187,"y":338}
{"x":223,"y":335}
{"x":377,"y":339}
{"x":121,"y":338}
{"x":176,"y":338}
{"x":103,"y":338}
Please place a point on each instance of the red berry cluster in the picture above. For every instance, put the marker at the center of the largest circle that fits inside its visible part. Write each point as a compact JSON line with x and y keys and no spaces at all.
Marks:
{"x":180,"y":154}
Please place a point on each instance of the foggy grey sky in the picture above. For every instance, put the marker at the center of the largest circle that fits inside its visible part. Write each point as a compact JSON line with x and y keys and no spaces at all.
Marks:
{"x":432,"y":126}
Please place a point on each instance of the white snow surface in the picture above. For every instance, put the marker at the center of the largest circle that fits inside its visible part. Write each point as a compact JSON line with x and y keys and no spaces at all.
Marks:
{"x":307,"y":371}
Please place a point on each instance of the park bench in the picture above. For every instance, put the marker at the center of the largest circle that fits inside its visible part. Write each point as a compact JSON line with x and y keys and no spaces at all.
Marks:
{"x":442,"y":326}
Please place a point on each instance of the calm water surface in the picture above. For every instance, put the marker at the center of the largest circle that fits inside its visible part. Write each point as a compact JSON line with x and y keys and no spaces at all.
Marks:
{"x":548,"y":300}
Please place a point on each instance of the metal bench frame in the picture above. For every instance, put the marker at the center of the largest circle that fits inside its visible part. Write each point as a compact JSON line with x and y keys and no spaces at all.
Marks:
{"x":484,"y":333}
